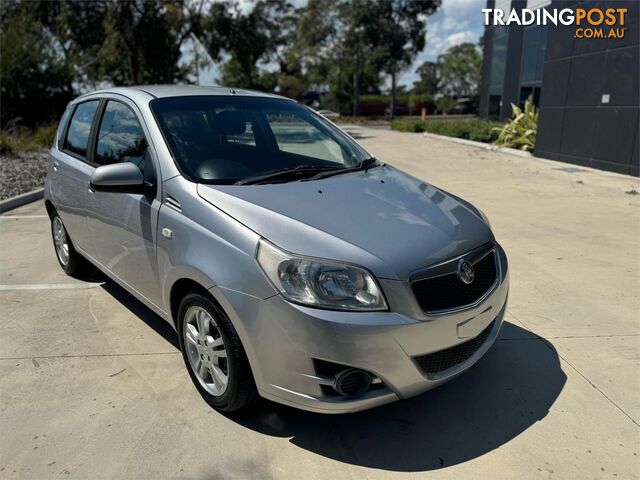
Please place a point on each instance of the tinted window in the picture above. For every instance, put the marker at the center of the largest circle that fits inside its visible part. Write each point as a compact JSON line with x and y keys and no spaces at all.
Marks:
{"x":499,"y":58}
{"x":535,"y":46}
{"x":495,"y":101}
{"x":120,"y":138}
{"x":80,"y":127}
{"x":223,"y":139}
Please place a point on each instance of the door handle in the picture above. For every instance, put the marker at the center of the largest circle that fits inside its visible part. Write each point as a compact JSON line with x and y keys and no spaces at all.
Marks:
{"x":55,"y":166}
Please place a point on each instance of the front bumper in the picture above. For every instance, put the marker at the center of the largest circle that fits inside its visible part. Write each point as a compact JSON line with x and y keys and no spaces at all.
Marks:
{"x":282,"y":339}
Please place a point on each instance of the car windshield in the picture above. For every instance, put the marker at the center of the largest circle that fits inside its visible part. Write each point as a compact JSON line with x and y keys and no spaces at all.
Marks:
{"x":228,"y":139}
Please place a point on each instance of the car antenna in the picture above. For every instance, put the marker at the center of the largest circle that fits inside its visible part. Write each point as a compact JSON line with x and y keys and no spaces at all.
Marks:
{"x":232,"y":90}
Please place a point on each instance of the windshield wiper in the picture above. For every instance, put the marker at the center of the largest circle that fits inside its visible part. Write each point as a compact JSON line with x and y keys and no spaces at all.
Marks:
{"x":285,"y":173}
{"x":363,"y":165}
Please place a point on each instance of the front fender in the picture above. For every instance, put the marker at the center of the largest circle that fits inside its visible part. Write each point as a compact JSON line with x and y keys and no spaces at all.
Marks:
{"x":182,"y":272}
{"x":207,"y":246}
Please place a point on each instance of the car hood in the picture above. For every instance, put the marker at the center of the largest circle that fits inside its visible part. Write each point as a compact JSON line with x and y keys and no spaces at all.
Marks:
{"x":382,"y":219}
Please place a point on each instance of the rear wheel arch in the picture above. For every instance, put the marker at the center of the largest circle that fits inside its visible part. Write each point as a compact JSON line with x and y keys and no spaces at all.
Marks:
{"x":71,"y":262}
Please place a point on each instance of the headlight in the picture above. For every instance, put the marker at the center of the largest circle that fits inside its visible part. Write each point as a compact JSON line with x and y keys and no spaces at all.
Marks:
{"x":320,"y":283}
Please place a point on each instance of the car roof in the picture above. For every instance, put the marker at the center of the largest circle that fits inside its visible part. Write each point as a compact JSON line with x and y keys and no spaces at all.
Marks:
{"x":163,"y":91}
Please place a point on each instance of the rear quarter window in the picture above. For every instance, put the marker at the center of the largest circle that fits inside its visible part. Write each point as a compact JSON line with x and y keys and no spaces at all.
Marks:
{"x":61,"y":126}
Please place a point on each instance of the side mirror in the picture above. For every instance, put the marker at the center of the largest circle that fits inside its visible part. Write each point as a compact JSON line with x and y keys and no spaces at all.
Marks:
{"x":119,"y":177}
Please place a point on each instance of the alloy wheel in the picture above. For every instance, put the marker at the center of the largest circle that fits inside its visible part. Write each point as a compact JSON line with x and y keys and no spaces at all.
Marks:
{"x":206,"y":350}
{"x":61,"y":241}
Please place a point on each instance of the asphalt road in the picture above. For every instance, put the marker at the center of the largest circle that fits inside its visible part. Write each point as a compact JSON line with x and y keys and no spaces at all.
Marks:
{"x":92,"y":384}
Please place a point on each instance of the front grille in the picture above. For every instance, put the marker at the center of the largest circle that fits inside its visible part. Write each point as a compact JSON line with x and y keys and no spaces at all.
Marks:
{"x":445,"y":359}
{"x":448,"y":292}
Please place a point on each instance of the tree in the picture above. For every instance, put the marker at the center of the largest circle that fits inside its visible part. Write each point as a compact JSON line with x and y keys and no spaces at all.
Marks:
{"x":460,"y":69}
{"x":429,"y":81}
{"x":341,"y":48}
{"x":142,"y":42}
{"x":400,"y":31}
{"x":335,"y":44}
{"x":250,"y":40}
{"x":49,"y":48}
{"x":123,"y":42}
{"x":359,"y":40}
{"x":316,"y":48}
{"x":36,"y":80}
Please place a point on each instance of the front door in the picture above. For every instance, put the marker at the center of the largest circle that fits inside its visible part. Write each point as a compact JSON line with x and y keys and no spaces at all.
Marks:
{"x":124,"y":225}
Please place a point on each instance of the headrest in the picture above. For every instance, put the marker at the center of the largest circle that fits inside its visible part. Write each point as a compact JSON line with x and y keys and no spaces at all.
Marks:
{"x":231,"y":122}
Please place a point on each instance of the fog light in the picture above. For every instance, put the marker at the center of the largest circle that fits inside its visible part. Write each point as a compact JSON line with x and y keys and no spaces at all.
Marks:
{"x":352,"y":382}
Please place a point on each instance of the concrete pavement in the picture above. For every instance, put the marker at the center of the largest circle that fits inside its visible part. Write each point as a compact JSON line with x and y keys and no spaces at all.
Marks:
{"x":92,"y":384}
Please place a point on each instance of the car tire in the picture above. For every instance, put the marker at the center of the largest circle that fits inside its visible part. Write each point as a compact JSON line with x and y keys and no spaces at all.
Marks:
{"x":200,"y":355}
{"x":69,"y":259}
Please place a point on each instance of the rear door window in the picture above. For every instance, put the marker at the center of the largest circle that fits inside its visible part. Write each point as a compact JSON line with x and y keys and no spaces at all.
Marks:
{"x":120,"y":138}
{"x":77,"y":138}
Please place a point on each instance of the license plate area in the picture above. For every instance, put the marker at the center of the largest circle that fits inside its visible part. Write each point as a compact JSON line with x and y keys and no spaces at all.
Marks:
{"x":473,"y":326}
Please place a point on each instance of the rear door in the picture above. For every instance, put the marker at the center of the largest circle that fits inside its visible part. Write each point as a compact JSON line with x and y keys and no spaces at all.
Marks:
{"x":124,"y":225}
{"x":71,"y":171}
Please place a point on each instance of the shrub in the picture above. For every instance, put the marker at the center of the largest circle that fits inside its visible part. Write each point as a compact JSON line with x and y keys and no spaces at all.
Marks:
{"x":473,"y":129}
{"x":446,"y":104}
{"x":405,"y":104}
{"x":44,"y":134}
{"x":402,"y":98}
{"x":407,"y":125}
{"x":521,"y":131}
{"x":15,"y":139}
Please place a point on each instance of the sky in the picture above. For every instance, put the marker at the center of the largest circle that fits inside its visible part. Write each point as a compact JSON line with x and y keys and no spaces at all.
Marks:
{"x":455,"y":22}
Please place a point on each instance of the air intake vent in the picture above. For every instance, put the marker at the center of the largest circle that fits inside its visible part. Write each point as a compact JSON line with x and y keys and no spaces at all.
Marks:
{"x":445,"y":359}
{"x":169,"y":201}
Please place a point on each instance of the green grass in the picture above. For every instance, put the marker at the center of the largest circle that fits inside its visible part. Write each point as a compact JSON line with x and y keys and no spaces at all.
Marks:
{"x":470,"y":129}
{"x":17,"y":139}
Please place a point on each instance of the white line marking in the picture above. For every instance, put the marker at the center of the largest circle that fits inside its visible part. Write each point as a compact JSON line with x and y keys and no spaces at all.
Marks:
{"x":50,"y":286}
{"x":7,"y":217}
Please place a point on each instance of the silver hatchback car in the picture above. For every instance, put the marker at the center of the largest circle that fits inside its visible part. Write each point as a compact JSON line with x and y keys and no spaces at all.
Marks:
{"x":293,"y":264}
